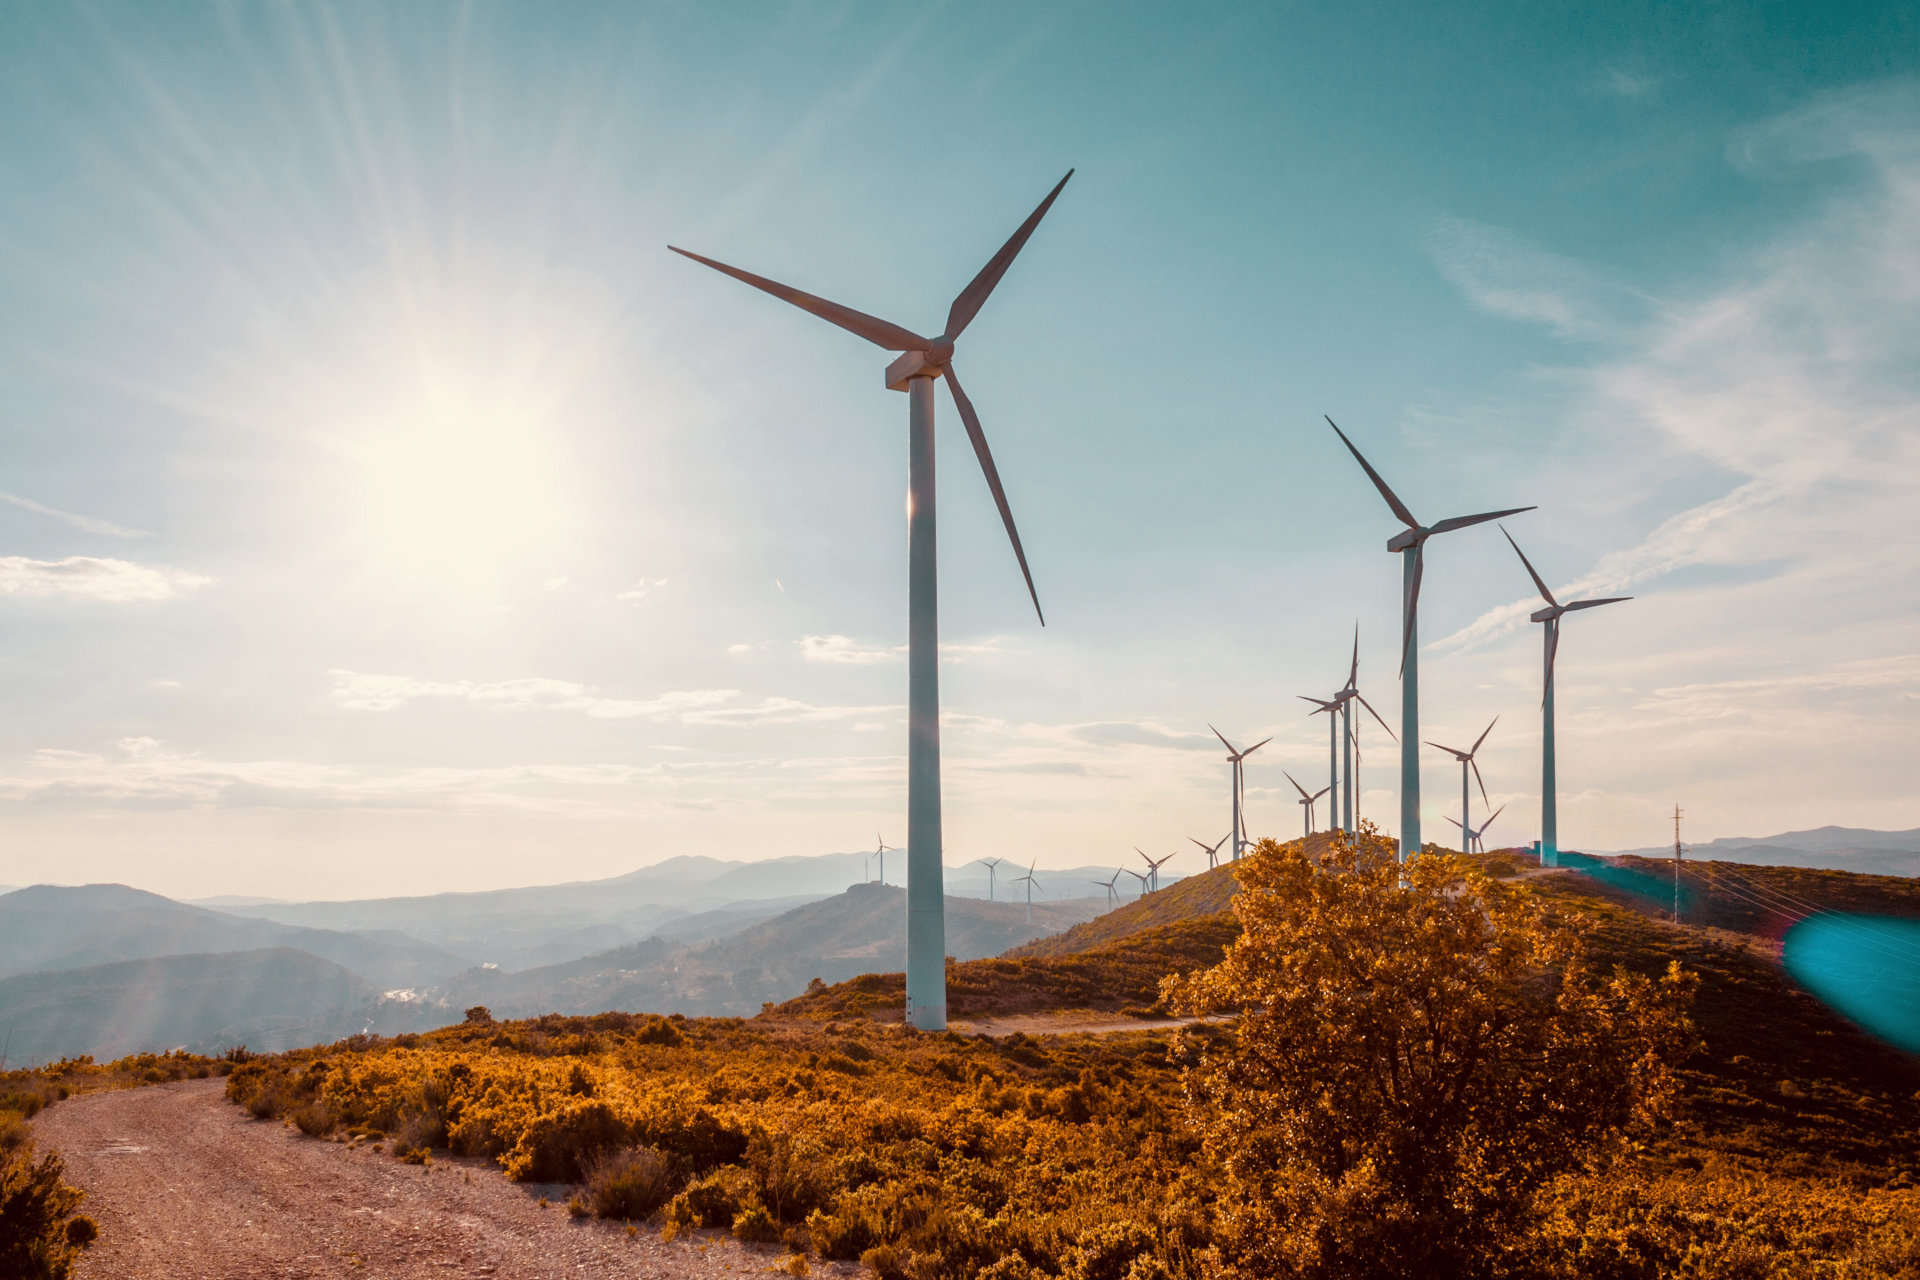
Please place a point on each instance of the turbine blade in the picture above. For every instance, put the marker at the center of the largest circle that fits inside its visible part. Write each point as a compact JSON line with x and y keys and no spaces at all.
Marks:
{"x":974,"y":296}
{"x":1376,"y":716}
{"x":1316,"y":795}
{"x":1475,"y":766}
{"x":1496,"y":813}
{"x":881,"y":333}
{"x":1537,"y":580}
{"x":1590,"y":604}
{"x":1462,"y":522}
{"x":1353,"y":672}
{"x":980,"y":450}
{"x":1454,"y":751}
{"x":1255,"y":747}
{"x":1483,"y":736}
{"x":1411,"y":607}
{"x":1553,"y":651}
{"x":1455,"y":822}
{"x":1393,"y":499}
{"x":1318,"y":705}
{"x":1296,"y":786}
{"x":1223,"y":741}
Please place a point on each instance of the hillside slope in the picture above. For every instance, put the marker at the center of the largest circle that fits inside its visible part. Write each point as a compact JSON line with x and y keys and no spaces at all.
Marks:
{"x":860,"y":931}
{"x":268,"y":1000}
{"x":48,"y":927}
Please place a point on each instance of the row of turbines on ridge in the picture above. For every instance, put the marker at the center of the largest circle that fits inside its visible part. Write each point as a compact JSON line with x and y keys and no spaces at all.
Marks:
{"x":923,"y":361}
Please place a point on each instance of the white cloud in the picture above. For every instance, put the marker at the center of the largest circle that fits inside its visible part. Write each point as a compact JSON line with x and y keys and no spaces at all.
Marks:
{"x":1503,"y":273}
{"x":845,"y":650}
{"x":94,"y":578}
{"x":362,"y":691}
{"x":642,"y":589}
{"x":88,"y":523}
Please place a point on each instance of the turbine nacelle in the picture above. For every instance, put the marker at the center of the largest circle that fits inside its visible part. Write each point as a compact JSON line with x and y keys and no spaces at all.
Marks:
{"x":1407,"y":538}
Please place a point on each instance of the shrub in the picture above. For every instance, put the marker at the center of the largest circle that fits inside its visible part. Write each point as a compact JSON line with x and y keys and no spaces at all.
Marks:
{"x":755,"y":1225}
{"x":558,"y":1146}
{"x":41,"y":1234}
{"x":479,"y":1016}
{"x":315,"y":1119}
{"x":712,"y":1201}
{"x":629,"y":1183}
{"x":1424,"y":1050}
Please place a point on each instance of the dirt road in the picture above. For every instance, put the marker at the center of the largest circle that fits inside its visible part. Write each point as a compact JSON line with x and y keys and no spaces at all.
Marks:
{"x":185,"y":1184}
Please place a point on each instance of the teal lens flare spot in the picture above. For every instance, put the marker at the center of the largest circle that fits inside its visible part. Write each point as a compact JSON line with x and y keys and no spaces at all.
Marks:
{"x":1867,"y":968}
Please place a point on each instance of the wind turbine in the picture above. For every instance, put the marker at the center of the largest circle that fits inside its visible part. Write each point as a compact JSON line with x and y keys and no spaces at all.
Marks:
{"x":1468,"y":762}
{"x":1411,"y":543}
{"x":881,"y":851}
{"x":922,"y":361}
{"x":1212,"y":850}
{"x":1030,"y":882}
{"x":1113,"y":895}
{"x":1234,"y":757}
{"x":1306,"y":801}
{"x":1475,"y":835}
{"x":1339,"y":710}
{"x":1153,"y":866}
{"x":991,"y":864}
{"x":1141,"y":876}
{"x":1551,"y":615}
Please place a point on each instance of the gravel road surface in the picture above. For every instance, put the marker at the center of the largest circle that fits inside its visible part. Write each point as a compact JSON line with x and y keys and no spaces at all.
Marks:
{"x":185,"y":1184}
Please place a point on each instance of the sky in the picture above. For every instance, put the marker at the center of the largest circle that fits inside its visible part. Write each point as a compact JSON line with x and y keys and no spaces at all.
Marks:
{"x":383,"y":509}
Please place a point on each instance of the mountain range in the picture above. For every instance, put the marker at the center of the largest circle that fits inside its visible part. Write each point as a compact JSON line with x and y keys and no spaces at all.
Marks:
{"x":1883,"y":853}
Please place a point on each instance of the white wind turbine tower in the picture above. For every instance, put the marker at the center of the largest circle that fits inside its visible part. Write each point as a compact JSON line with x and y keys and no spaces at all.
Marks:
{"x":1030,"y":882}
{"x":1467,"y":761}
{"x":1234,"y":757}
{"x":1549,"y":781}
{"x":991,"y":864}
{"x":1113,"y":895}
{"x":1141,"y":876}
{"x":881,"y":850}
{"x":1306,"y":801}
{"x":1342,"y":742}
{"x":1212,"y":850}
{"x":923,"y":361}
{"x":1411,"y":543}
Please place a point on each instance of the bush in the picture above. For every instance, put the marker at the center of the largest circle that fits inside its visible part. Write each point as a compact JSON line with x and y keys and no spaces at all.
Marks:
{"x":560,"y":1145}
{"x":41,"y":1234}
{"x":630,"y":1183}
{"x":315,"y":1119}
{"x":755,"y":1225}
{"x":712,"y":1201}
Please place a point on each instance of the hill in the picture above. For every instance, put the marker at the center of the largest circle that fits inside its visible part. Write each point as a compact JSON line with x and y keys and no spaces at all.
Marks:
{"x":46,"y":927}
{"x":269,"y":1000}
{"x":1208,"y":894}
{"x":1834,"y":848}
{"x":859,"y":931}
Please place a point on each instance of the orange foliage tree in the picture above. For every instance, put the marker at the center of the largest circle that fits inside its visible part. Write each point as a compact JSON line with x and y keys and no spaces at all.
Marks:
{"x":1419,"y":1052}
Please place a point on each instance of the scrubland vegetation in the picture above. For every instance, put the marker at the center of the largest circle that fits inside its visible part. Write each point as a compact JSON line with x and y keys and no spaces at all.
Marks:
{"x":1466,"y":1074}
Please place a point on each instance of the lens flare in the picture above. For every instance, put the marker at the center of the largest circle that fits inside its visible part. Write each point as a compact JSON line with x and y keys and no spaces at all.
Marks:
{"x":1866,"y":968}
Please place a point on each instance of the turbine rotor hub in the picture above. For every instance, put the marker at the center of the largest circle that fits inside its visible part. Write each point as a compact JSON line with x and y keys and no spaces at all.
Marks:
{"x":1406,"y":538}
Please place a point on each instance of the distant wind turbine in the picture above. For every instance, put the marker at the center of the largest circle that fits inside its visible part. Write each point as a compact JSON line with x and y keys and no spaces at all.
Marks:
{"x":924,"y":360}
{"x":1234,"y":757}
{"x":1030,"y":883}
{"x":881,"y":851}
{"x":991,"y":864}
{"x":1467,"y":761}
{"x":1141,"y":876}
{"x":1306,"y":801}
{"x":1411,"y":543}
{"x":1342,"y":809}
{"x":1549,"y":781}
{"x":1153,"y":865}
{"x":1474,"y":836}
{"x":1113,"y":895}
{"x":1212,"y":850}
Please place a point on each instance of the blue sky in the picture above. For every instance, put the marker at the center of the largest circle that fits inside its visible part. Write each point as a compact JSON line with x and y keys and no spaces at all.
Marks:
{"x":386,"y":510}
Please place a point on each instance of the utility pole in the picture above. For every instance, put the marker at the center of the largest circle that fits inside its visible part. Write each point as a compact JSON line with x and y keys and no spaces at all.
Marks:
{"x":1676,"y":864}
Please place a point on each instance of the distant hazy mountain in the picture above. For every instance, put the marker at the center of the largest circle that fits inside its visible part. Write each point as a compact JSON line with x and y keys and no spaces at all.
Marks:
{"x":549,"y":924}
{"x":50,"y":927}
{"x":1884,"y":853}
{"x":862,"y":930}
{"x":266,"y":1000}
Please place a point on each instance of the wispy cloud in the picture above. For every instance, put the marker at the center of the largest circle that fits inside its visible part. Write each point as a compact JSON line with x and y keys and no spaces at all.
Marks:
{"x":363,"y":691}
{"x":845,"y":650}
{"x":88,"y":523}
{"x":94,"y":578}
{"x":1505,"y":274}
{"x":642,"y":590}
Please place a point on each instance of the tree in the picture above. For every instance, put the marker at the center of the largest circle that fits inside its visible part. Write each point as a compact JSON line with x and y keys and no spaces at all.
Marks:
{"x":1419,"y":1052}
